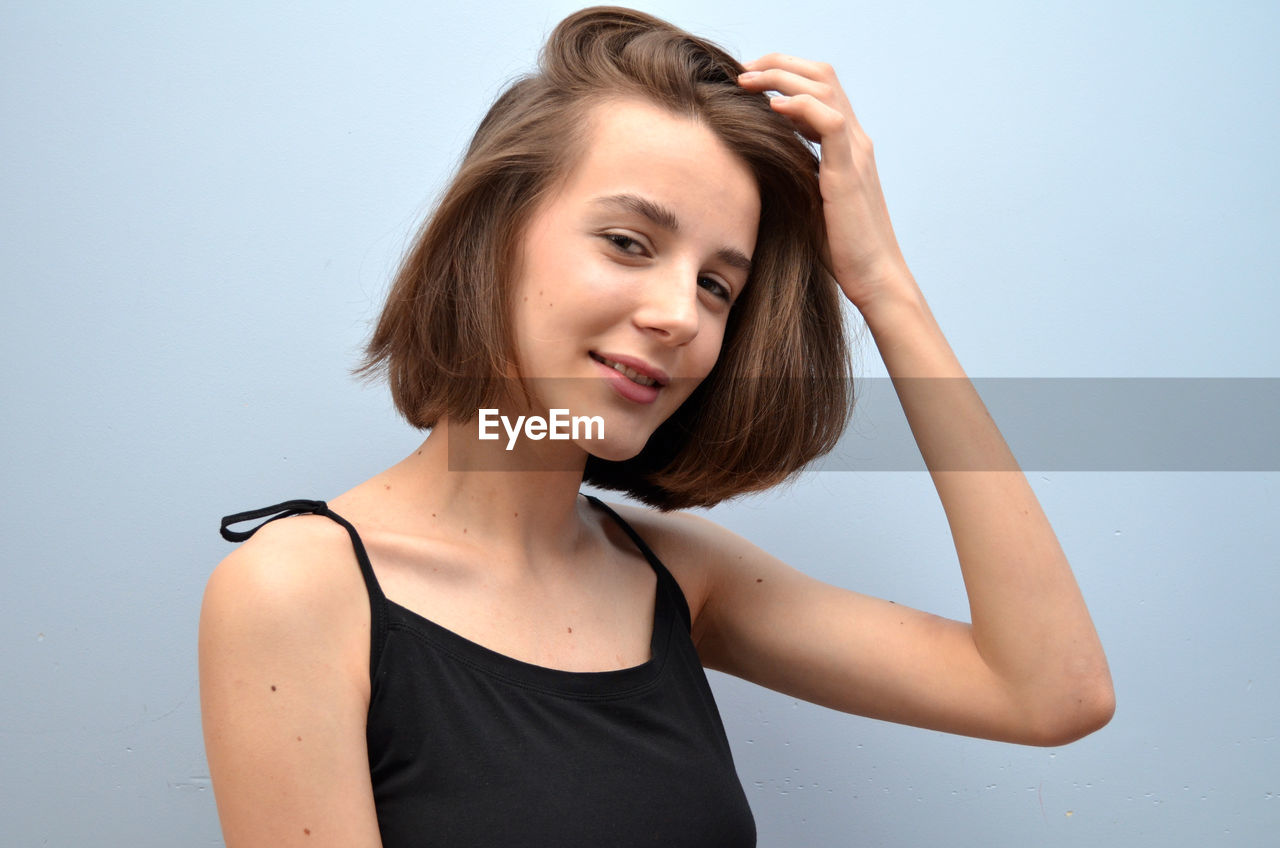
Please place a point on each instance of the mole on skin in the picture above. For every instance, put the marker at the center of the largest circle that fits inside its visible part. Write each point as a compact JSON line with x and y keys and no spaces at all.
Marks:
{"x":273,"y":687}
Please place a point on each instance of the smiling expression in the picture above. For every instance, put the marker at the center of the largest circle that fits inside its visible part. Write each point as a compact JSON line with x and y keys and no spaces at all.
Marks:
{"x":630,"y":270}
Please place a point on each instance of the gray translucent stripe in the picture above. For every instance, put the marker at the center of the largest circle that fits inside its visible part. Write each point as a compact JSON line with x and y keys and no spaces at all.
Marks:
{"x":1067,"y":424}
{"x":1085,"y":424}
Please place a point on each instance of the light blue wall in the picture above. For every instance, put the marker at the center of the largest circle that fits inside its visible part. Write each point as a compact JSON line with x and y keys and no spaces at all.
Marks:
{"x":201,"y":209}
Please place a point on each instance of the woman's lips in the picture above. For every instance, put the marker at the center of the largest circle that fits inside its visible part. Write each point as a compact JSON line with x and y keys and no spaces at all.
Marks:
{"x":634,"y":367}
{"x":624,"y":385}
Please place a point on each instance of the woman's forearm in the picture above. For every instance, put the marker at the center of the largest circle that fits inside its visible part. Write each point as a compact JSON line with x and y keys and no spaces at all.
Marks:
{"x":1029,"y":620}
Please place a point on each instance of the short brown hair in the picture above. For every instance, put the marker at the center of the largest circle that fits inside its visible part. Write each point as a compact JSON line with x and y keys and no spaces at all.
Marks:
{"x":781,"y":392}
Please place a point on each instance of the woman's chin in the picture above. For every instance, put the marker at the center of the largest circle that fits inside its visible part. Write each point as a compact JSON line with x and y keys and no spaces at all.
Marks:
{"x":613,"y":450}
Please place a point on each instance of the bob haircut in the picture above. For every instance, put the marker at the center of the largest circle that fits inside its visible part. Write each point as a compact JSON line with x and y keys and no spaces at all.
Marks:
{"x":781,"y":391}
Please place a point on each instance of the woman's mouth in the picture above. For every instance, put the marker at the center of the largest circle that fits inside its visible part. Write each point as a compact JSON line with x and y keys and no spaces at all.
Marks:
{"x":627,"y":381}
{"x":630,"y":373}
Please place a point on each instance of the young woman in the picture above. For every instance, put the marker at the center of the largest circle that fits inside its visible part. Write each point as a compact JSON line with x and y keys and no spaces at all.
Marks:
{"x":463,"y":650}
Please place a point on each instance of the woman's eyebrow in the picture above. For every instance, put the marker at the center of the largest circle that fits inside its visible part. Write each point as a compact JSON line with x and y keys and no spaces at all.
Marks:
{"x":655,"y":212}
{"x":734,"y":259}
{"x":666,"y":219}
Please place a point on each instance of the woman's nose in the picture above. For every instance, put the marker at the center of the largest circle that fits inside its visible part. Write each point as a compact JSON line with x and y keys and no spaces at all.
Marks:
{"x":668,"y":305}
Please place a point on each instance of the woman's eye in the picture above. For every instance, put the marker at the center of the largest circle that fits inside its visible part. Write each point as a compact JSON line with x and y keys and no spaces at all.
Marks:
{"x":717,"y":288}
{"x":625,"y":243}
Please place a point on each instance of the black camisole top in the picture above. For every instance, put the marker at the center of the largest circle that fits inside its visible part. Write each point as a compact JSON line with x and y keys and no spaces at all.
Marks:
{"x":472,"y":748}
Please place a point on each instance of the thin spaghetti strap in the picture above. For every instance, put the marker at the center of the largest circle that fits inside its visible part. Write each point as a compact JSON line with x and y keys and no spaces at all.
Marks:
{"x":635,"y":537}
{"x":280,"y":510}
{"x":377,"y":600}
{"x":664,"y":575}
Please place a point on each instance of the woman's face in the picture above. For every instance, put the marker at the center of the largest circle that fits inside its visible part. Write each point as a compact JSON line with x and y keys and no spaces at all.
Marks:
{"x":630,"y":271}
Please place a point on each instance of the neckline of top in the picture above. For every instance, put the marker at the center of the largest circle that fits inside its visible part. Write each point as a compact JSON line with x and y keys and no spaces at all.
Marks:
{"x":608,"y":683}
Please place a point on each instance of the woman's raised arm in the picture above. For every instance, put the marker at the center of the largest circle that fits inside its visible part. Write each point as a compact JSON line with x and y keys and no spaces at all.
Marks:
{"x":1030,"y":667}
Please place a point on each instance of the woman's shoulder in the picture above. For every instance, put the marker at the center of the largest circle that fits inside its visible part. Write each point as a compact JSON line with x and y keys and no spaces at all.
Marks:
{"x":297,"y":558}
{"x":695,"y":549}
{"x":294,"y":585}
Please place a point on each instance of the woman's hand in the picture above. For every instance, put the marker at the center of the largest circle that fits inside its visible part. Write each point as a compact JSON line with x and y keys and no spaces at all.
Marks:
{"x":863,"y":250}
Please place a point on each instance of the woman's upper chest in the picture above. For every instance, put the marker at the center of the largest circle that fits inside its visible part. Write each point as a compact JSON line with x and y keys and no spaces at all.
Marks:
{"x":592,"y":612}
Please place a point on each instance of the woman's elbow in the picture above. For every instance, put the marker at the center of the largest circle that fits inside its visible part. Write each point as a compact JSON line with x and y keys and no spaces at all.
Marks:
{"x":1086,"y":710}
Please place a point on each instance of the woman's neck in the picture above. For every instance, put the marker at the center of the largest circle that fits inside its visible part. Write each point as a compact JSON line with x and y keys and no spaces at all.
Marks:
{"x":521,"y":503}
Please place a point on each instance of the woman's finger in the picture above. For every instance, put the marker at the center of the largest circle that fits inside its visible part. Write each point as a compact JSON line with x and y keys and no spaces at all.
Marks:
{"x":824,"y":124}
{"x":789,"y":83}
{"x":820,"y":71}
{"x":794,"y":76}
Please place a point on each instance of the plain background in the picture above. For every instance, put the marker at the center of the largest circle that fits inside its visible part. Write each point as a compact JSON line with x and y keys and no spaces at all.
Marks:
{"x":202,"y":207}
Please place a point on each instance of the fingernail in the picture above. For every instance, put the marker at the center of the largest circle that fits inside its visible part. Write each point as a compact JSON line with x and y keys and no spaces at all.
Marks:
{"x":748,"y":75}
